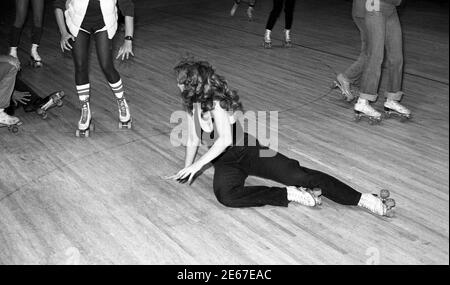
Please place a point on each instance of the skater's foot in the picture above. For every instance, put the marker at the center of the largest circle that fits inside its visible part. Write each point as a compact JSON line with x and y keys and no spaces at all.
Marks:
{"x":363,"y":108}
{"x":382,"y":206}
{"x":344,"y":85}
{"x":287,"y":38}
{"x":250,"y":11}
{"x":392,"y":105}
{"x":36,"y":59}
{"x":124,"y":110}
{"x":13,"y":52}
{"x":85,"y":119}
{"x":233,"y":9}
{"x":267,"y":39}
{"x":304,"y":196}
{"x":8,"y":120}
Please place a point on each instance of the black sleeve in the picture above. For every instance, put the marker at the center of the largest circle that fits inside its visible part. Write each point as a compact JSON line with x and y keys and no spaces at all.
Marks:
{"x":393,"y":2}
{"x":61,"y":4}
{"x":126,"y":7}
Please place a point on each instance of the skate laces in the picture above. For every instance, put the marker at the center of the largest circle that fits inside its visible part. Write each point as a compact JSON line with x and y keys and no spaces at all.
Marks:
{"x":84,"y":112}
{"x":122,"y":107}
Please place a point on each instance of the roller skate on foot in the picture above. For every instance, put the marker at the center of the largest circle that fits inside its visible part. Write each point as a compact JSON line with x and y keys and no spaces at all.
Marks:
{"x":11,"y":122}
{"x":364,"y":110}
{"x":392,"y":107}
{"x":234,"y":8}
{"x":344,"y":86}
{"x":267,"y":40}
{"x":304,"y":196}
{"x":287,"y":39}
{"x":125,"y":120}
{"x":381,"y":204}
{"x":35,"y":58}
{"x":85,"y":124}
{"x":13,"y":53}
{"x":250,"y":11}
{"x":55,"y":100}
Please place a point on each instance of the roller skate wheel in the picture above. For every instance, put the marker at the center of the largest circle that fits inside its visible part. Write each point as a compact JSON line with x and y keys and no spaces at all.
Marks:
{"x":77,"y":133}
{"x":44,"y":115}
{"x":13,"y":129}
{"x":390,"y":203}
{"x":39,"y":111}
{"x":357,"y":117}
{"x":384,"y":194}
{"x":390,"y":214}
{"x":59,"y":103}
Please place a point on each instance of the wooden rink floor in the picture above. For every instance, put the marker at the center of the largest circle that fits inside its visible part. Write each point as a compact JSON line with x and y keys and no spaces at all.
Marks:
{"x":101,"y":200}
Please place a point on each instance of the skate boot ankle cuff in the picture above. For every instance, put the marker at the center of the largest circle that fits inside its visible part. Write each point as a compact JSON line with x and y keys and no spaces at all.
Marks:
{"x":395,"y":96}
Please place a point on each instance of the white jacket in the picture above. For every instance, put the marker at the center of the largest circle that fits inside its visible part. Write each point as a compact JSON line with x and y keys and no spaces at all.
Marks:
{"x":76,"y":10}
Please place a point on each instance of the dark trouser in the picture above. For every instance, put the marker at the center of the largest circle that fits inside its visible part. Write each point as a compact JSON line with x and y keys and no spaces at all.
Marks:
{"x":355,"y":71}
{"x":384,"y":32}
{"x":21,"y":15}
{"x":80,"y":53}
{"x":238,"y":162}
{"x":289,"y":6}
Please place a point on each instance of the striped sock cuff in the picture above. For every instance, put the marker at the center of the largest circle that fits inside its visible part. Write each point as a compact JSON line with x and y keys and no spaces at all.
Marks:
{"x":117,"y":88}
{"x":83,"y":91}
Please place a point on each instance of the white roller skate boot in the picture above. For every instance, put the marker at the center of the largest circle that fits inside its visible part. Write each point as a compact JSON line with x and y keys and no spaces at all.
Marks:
{"x":35,"y":58}
{"x":364,"y":110}
{"x":267,"y":40}
{"x":234,"y":8}
{"x":381,"y":205}
{"x":392,"y":107}
{"x":343,"y":84}
{"x":85,"y":124}
{"x":250,"y":11}
{"x":287,"y":39}
{"x":304,"y":196}
{"x":11,"y":122}
{"x":125,"y":119}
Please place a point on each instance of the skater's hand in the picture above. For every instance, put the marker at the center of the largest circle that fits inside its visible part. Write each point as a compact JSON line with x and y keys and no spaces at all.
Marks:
{"x":21,"y":97}
{"x":125,"y":50}
{"x":64,"y":43}
{"x":186,"y":174}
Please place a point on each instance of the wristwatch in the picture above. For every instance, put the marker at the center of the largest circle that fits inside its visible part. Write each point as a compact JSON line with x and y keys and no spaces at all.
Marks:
{"x":129,"y":38}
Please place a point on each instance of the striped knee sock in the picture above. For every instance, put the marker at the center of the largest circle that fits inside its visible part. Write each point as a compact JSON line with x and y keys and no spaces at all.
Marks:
{"x":117,"y":88}
{"x":83,"y":91}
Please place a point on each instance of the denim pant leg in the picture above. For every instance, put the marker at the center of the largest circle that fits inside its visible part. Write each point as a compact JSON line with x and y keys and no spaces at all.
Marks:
{"x":394,"y":54}
{"x":8,"y":74}
{"x":355,"y":71}
{"x":376,"y":34}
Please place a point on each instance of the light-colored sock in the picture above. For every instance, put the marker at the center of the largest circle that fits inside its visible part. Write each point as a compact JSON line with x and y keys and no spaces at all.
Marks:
{"x":13,"y":52}
{"x":83,"y":91}
{"x":117,"y":88}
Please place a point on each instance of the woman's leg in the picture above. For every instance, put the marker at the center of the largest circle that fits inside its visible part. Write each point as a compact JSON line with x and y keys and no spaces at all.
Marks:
{"x":289,"y":172}
{"x":274,"y":14}
{"x":105,"y":58}
{"x":80,"y":54}
{"x":38,"y":15}
{"x":394,"y":58}
{"x":289,"y":7}
{"x":16,"y":30}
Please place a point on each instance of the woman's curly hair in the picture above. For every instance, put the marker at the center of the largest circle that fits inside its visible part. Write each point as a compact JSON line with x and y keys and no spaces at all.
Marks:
{"x":202,"y":85}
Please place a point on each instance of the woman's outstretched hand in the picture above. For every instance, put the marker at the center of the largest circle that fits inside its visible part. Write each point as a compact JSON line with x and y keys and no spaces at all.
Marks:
{"x":186,"y":174}
{"x":125,"y":50}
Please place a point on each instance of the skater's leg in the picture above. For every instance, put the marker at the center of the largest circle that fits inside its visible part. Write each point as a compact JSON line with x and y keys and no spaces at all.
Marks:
{"x":394,"y":54}
{"x":289,"y":7}
{"x":80,"y":54}
{"x":8,"y":74}
{"x":354,"y":72}
{"x":229,"y":180}
{"x":36,"y":34}
{"x":104,"y":53}
{"x":376,"y":33}
{"x":288,"y":171}
{"x":16,"y":30}
{"x":274,"y":14}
